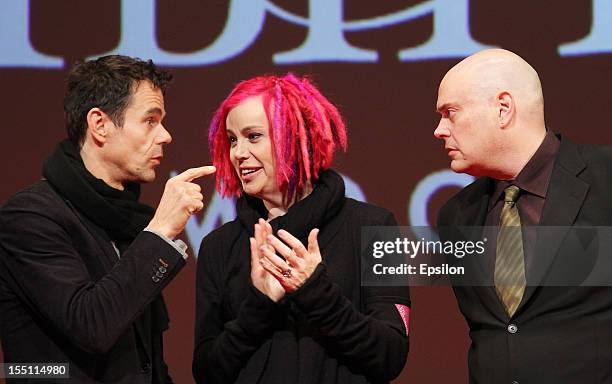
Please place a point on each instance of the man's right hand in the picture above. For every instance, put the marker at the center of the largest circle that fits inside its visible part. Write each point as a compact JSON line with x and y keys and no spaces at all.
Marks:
{"x":180,"y":200}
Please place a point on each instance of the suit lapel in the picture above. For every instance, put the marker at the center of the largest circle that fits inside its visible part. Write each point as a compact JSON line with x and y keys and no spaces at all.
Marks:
{"x":565,"y":196}
{"x":473,"y":218}
{"x":97,"y":266}
{"x":474,"y":207}
{"x":473,"y":214}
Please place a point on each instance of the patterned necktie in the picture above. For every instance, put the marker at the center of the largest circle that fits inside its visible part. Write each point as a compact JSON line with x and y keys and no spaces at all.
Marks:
{"x":510,"y":262}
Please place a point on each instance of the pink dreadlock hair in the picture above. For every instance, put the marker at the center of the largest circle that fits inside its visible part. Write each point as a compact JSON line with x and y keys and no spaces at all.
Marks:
{"x":305,"y":129}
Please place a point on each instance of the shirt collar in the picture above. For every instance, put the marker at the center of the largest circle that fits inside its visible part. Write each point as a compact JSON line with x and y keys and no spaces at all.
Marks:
{"x":534,"y":177}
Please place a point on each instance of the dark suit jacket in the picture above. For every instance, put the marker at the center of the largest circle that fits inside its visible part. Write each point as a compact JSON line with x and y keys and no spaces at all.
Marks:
{"x":559,"y":334}
{"x":65,"y":296}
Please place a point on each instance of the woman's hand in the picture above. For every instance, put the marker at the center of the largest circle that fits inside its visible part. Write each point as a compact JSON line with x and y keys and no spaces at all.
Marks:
{"x":299,"y":263}
{"x":262,"y":280}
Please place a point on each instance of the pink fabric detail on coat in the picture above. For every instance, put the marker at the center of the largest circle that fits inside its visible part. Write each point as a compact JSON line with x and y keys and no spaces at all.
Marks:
{"x":404,"y":312}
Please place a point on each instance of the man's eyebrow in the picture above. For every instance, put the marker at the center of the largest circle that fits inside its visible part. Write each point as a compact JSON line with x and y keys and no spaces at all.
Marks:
{"x":154,"y":111}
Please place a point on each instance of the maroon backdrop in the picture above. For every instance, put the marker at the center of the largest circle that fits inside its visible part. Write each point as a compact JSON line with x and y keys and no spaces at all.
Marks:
{"x":389,"y":107}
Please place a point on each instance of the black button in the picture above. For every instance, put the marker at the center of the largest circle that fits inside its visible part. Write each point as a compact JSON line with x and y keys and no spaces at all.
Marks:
{"x":515,"y":382}
{"x":145,"y":368}
{"x":162,"y":269}
{"x":155,"y":279}
{"x":512,"y":328}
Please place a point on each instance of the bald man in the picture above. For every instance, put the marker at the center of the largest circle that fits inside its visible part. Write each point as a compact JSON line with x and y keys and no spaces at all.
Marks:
{"x":530,"y":321}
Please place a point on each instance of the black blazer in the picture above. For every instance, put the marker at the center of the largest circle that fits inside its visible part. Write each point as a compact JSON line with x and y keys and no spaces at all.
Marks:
{"x":65,"y":296}
{"x":559,"y":334}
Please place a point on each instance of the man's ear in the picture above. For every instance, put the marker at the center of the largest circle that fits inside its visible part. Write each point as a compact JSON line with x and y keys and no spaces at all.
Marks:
{"x":507,"y":108}
{"x":97,"y":125}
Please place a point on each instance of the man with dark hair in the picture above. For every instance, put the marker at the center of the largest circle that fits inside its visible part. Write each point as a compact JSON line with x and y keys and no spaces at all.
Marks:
{"x":533,"y":313}
{"x":82,"y":261}
{"x":106,"y":83}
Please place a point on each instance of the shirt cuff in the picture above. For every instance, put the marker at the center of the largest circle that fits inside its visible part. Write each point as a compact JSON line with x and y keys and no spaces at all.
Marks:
{"x":177,"y":244}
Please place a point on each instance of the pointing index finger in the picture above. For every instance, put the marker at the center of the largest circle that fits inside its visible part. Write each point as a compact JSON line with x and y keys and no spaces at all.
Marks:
{"x":194,"y":173}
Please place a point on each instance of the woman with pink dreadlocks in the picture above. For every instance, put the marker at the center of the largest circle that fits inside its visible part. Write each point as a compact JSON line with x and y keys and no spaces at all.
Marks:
{"x":279,"y":295}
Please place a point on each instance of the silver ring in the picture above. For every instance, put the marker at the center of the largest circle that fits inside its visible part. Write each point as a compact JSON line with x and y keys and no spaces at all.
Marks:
{"x":287,"y":273}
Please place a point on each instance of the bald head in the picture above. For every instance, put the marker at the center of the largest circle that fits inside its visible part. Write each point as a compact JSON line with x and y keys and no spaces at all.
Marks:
{"x":492,"y":111}
{"x":487,"y":73}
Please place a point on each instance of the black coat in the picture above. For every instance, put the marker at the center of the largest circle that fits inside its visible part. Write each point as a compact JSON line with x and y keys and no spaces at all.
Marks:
{"x":331,"y":330}
{"x":559,"y":334}
{"x":65,"y":296}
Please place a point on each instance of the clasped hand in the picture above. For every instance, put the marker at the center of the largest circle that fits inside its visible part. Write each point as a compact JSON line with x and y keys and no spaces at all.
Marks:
{"x":274,"y":275}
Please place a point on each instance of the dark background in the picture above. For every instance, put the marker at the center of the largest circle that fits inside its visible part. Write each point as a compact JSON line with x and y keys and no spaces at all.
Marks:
{"x":389,"y":107}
